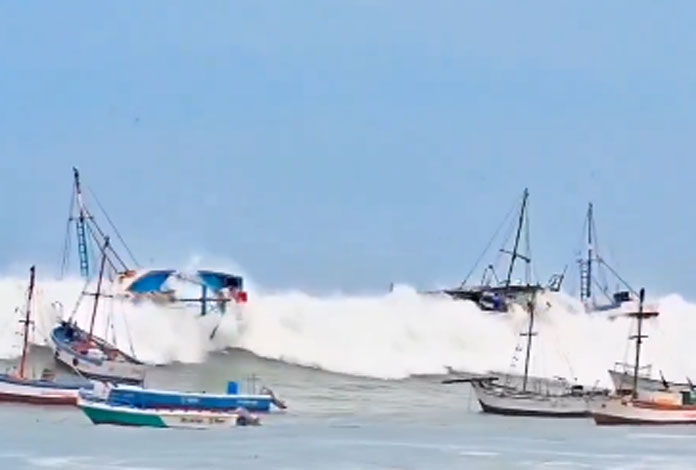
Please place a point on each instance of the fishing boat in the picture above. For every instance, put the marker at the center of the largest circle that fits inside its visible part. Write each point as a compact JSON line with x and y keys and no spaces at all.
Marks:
{"x":89,"y":355}
{"x":641,"y":408}
{"x":146,"y":398}
{"x":559,"y":401}
{"x":212,"y":291}
{"x":19,"y":387}
{"x":494,"y":294}
{"x":595,"y":294}
{"x":622,"y":379}
{"x":104,"y":413}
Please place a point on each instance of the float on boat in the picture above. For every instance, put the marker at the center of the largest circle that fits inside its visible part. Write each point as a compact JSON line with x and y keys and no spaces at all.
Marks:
{"x":494,"y":294}
{"x":104,"y":413}
{"x":146,"y":398}
{"x":646,"y":408}
{"x":18,"y":387}
{"x":559,"y":401}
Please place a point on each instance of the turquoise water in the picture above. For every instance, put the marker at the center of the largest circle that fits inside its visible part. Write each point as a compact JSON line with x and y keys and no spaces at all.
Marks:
{"x":337,"y":422}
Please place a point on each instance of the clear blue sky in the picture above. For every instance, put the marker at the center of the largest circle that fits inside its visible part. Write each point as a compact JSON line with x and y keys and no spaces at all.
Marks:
{"x":342,"y":145}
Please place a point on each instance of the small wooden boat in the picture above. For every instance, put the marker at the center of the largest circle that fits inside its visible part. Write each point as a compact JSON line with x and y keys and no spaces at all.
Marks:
{"x":18,"y":387}
{"x":146,"y":398}
{"x":622,"y":379}
{"x":104,"y":413}
{"x":646,"y":408}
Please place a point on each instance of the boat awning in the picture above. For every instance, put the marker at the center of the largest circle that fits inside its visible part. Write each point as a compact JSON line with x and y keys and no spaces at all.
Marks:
{"x":151,"y":281}
{"x":217,"y":281}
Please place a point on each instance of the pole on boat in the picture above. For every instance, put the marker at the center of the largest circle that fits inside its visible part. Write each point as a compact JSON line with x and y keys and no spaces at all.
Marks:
{"x":530,"y":332}
{"x":588,"y":279}
{"x":98,"y":292}
{"x":27,"y":321}
{"x":640,"y":315}
{"x":514,"y":255}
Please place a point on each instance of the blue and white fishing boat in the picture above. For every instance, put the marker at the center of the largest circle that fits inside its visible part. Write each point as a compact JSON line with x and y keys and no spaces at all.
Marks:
{"x":146,"y":398}
{"x":19,"y":387}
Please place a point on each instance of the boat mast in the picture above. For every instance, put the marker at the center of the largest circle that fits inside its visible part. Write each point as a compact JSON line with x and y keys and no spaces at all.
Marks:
{"x":640,"y":315}
{"x":529,"y":334}
{"x":514,"y":255}
{"x":588,"y":279}
{"x":27,"y":321}
{"x":80,"y":226}
{"x":96,"y":294}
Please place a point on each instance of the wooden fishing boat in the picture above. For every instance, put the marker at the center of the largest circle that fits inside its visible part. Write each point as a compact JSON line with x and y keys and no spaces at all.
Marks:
{"x":494,"y":294}
{"x":19,"y":387}
{"x":104,"y":413}
{"x":147,"y":398}
{"x":559,"y":401}
{"x":646,"y":408}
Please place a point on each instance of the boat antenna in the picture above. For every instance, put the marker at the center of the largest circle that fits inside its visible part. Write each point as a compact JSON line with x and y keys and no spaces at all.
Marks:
{"x":640,"y":315}
{"x":514,"y":254}
{"x":27,"y":322}
{"x":98,"y":292}
{"x":529,"y":334}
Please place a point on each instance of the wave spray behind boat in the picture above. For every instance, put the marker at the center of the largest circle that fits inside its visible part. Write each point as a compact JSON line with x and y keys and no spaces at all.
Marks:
{"x":391,"y":335}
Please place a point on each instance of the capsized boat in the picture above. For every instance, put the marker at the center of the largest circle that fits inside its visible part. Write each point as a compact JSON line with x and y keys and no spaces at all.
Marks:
{"x":146,"y":398}
{"x":560,"y":400}
{"x":103,"y":413}
{"x":19,"y":387}
{"x":653,"y":408}
{"x":494,"y":294}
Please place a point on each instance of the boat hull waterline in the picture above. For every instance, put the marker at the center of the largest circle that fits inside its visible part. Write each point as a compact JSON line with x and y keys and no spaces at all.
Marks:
{"x":622,"y":411}
{"x":39,"y":392}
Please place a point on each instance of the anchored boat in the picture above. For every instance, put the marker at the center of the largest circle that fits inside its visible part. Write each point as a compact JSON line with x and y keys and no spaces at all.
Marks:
{"x":104,"y":413}
{"x":19,"y":387}
{"x":559,"y":401}
{"x":146,"y":398}
{"x":653,"y":408}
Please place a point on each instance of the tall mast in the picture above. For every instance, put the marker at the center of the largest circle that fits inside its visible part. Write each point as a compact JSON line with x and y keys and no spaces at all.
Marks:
{"x":27,"y":321}
{"x":520,"y":222}
{"x":99,"y":283}
{"x":640,"y":315}
{"x":80,"y":226}
{"x":529,"y":334}
{"x":588,"y":280}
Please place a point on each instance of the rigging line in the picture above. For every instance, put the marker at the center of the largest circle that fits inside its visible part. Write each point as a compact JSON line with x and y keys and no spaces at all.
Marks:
{"x":626,"y":284}
{"x":113,"y":226}
{"x":490,"y":242}
{"x":102,"y":250}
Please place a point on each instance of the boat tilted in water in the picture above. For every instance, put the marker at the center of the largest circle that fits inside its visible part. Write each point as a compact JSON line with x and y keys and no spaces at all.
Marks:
{"x":18,"y":387}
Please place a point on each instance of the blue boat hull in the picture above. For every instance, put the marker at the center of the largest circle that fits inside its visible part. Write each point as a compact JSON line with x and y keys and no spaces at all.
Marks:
{"x":144,"y":399}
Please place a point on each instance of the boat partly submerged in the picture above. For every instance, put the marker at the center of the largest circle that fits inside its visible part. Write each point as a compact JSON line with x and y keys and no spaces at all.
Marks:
{"x":104,"y":413}
{"x":494,"y":294}
{"x":653,"y":408}
{"x":146,"y":398}
{"x":19,"y":387}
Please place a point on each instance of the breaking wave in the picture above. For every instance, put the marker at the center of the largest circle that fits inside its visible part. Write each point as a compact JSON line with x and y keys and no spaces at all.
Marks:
{"x":391,"y":335}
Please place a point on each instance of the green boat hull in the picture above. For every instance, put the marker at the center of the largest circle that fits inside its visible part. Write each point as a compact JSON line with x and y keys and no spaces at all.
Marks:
{"x":123,"y":418}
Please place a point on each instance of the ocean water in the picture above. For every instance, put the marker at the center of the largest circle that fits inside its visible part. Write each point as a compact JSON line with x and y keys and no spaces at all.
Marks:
{"x":362,"y":380}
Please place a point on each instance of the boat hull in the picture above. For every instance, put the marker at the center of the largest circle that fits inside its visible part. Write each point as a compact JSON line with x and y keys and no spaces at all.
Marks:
{"x":629,"y":412}
{"x":498,"y":400}
{"x":623,"y":384}
{"x":121,"y":369}
{"x":38,"y":392}
{"x":100,"y":413}
{"x":142,"y":398}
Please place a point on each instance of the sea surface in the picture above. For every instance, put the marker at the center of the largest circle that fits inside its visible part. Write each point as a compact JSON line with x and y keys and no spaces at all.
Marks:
{"x":334,"y":421}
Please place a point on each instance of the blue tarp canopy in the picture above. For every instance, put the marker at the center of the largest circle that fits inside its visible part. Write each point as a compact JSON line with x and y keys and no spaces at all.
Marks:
{"x":217,"y":280}
{"x":151,"y":281}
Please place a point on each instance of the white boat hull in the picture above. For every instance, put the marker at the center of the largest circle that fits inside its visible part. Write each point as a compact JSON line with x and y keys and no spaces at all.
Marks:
{"x":625,"y":411}
{"x":504,"y":401}
{"x":15,"y":391}
{"x":623,"y":383}
{"x":104,"y":370}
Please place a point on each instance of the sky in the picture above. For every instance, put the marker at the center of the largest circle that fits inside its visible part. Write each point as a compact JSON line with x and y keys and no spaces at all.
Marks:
{"x":340,"y":146}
